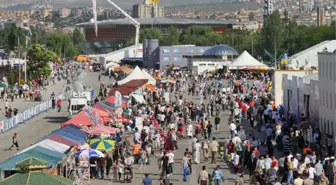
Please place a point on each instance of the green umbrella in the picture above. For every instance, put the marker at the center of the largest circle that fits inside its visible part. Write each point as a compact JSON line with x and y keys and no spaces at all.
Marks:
{"x":3,"y":84}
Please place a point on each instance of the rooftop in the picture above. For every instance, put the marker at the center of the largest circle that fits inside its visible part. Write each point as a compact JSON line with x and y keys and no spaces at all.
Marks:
{"x":158,"y":21}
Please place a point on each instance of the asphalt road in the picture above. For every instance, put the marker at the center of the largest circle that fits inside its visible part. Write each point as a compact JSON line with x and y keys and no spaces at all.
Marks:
{"x":42,"y":125}
{"x":23,"y":104}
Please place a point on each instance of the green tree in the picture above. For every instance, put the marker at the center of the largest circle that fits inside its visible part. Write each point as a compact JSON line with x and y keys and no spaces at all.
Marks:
{"x":200,"y":36}
{"x":39,"y":58}
{"x":172,"y":38}
{"x":150,"y":33}
{"x":77,"y":38}
{"x":273,"y":33}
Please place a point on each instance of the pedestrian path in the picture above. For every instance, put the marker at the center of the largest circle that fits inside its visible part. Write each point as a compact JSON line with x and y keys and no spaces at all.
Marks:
{"x":23,"y":104}
{"x":41,"y":125}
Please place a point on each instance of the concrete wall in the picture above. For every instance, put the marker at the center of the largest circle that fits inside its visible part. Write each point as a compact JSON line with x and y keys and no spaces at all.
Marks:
{"x":299,"y":87}
{"x":327,"y":90}
{"x":278,"y":82}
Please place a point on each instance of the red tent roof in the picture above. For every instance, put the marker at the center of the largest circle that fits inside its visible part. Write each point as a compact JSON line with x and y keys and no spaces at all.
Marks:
{"x":79,"y":120}
{"x":128,"y":87}
{"x":61,"y":139}
{"x":101,"y":106}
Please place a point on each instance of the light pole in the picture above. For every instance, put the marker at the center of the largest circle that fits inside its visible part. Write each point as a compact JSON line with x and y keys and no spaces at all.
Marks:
{"x":252,"y":47}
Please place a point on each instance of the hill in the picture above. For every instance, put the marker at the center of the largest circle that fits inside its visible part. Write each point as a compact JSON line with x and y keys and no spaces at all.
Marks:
{"x":213,"y":7}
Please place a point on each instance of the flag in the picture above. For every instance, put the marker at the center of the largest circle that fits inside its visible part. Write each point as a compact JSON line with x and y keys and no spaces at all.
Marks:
{"x":117,"y":99}
{"x":284,"y":59}
{"x":268,"y":54}
{"x":155,"y":1}
{"x":94,"y":11}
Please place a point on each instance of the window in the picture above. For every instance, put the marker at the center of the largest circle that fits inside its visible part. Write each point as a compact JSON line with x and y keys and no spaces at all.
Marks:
{"x":166,"y":50}
{"x":177,"y":58}
{"x":201,"y":50}
{"x":190,"y":50}
{"x":211,"y":64}
{"x":202,"y":64}
{"x":177,"y":50}
{"x":166,"y":58}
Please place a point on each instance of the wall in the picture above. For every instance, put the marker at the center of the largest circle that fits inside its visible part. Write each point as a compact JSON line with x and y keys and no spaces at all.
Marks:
{"x":174,"y":54}
{"x":327,"y":90}
{"x":116,"y":56}
{"x":301,"y":86}
{"x":278,"y":82}
{"x":199,"y":65}
{"x":153,"y":55}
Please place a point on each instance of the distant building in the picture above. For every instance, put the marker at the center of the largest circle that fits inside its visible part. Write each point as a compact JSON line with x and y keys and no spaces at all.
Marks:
{"x":268,"y":8}
{"x":45,"y":12}
{"x":147,"y":9}
{"x":160,"y":57}
{"x":64,"y":12}
{"x":320,"y":16}
{"x":115,"y":34}
{"x":327,"y":89}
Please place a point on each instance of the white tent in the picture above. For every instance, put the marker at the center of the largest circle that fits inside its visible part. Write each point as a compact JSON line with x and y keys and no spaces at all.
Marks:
{"x":245,"y":60}
{"x":136,"y":74}
{"x":48,"y":144}
{"x":151,"y":80}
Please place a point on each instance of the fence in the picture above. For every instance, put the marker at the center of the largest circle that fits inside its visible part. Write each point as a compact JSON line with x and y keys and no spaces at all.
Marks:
{"x":8,"y":124}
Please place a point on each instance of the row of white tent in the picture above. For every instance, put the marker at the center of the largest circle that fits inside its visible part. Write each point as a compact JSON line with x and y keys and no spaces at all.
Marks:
{"x":138,"y":74}
{"x":246,"y":61}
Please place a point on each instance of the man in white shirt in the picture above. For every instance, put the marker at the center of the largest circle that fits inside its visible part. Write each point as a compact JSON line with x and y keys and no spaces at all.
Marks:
{"x":197,"y":152}
{"x":189,"y":130}
{"x":232,"y":129}
{"x":311,"y":171}
{"x":170,"y":156}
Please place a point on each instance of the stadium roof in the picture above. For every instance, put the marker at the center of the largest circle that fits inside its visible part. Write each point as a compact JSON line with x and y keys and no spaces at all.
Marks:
{"x":158,"y":21}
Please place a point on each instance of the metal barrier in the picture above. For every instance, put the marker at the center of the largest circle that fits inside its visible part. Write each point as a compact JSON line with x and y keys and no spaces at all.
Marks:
{"x":23,"y":117}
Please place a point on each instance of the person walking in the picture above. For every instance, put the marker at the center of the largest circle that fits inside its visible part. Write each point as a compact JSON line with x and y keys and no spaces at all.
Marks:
{"x":214,"y":149}
{"x":198,"y":147}
{"x":147,"y":180}
{"x":14,"y":142}
{"x":203,"y":176}
{"x":217,"y":176}
{"x":217,"y":121}
{"x":59,"y":103}
{"x":185,"y":166}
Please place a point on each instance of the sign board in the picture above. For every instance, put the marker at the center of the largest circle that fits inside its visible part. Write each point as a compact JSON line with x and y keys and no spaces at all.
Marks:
{"x":118,"y":99}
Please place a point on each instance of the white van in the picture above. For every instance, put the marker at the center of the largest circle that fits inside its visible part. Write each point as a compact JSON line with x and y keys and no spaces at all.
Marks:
{"x":76,"y":105}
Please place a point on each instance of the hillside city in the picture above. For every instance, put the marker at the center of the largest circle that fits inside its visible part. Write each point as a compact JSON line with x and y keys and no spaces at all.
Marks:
{"x":247,"y":14}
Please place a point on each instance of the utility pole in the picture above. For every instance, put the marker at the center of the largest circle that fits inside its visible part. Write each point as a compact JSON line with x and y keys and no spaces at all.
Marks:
{"x":252,"y":45}
{"x":19,"y":60}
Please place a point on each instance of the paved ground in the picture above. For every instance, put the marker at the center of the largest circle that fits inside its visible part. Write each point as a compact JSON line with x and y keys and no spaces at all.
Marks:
{"x":41,"y":125}
{"x":23,"y":104}
{"x":177,"y":178}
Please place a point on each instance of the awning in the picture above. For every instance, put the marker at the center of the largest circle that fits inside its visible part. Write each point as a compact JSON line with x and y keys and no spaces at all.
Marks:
{"x":80,"y":119}
{"x":49,"y":144}
{"x":139,"y":98}
{"x":150,"y":87}
{"x":50,"y":156}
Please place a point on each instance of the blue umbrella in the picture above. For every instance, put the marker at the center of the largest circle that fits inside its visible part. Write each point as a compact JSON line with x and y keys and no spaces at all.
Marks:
{"x":90,"y":153}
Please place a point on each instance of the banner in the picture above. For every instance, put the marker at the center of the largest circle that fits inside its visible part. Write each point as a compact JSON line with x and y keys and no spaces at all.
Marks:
{"x":94,"y":11}
{"x":117,"y":99}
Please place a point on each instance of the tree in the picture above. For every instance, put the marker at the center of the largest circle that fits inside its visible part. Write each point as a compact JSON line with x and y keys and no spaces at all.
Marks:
{"x":64,"y":44}
{"x":172,"y":38}
{"x":200,"y":36}
{"x":77,"y":38}
{"x":39,"y":58}
{"x":150,"y":33}
{"x":251,"y":16}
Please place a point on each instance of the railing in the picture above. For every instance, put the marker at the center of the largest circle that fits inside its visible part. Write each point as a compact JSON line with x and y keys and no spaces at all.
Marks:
{"x":21,"y":118}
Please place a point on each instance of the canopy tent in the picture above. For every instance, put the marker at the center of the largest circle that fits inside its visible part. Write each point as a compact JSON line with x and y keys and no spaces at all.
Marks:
{"x":128,"y":87}
{"x":136,"y":74}
{"x":98,"y":130}
{"x":38,"y":152}
{"x":100,"y":112}
{"x":150,"y":87}
{"x":65,"y":134}
{"x":105,"y":107}
{"x":35,"y":178}
{"x":111,"y":100}
{"x":138,"y":98}
{"x":111,"y":64}
{"x":150,"y":78}
{"x":49,"y":144}
{"x":74,"y":130}
{"x":246,"y":61}
{"x":80,"y":119}
{"x":126,"y":69}
{"x":61,"y":139}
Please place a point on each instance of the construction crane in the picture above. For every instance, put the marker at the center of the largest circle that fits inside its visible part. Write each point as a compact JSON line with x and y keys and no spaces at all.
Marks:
{"x":134,"y":22}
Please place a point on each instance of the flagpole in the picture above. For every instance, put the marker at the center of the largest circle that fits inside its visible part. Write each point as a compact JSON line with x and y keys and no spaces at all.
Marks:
{"x":25,"y":68}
